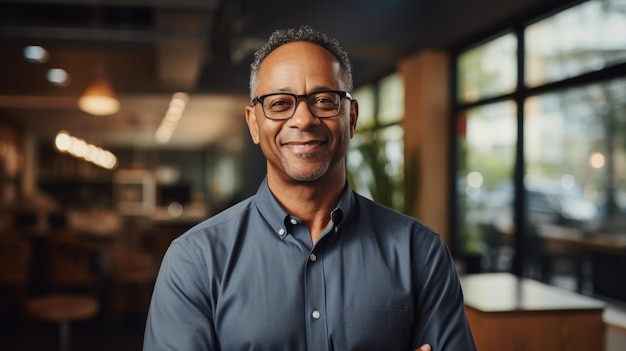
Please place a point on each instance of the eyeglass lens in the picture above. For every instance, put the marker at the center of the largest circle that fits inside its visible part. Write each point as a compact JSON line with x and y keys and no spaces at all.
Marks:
{"x":283,"y":106}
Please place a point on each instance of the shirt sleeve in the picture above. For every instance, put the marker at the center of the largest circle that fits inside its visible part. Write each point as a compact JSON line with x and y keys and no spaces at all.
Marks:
{"x":180,"y":315}
{"x":440,"y":318}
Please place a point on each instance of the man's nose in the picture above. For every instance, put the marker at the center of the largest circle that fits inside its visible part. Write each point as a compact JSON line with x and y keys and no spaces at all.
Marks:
{"x":303,"y":116}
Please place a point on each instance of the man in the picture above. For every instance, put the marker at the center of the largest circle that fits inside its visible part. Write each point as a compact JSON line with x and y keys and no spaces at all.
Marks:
{"x":306,"y":263}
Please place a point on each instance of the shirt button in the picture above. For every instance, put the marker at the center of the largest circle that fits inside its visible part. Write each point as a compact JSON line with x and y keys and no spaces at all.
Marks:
{"x":316,"y":314}
{"x":281,"y":232}
{"x":313,"y":258}
{"x":294,"y":221}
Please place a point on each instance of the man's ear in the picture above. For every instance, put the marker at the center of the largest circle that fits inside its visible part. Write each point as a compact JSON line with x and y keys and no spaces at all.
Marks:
{"x":354,"y":116}
{"x":253,"y":127}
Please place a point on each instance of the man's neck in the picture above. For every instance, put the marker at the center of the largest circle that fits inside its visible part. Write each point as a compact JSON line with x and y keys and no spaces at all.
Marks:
{"x":310,"y":201}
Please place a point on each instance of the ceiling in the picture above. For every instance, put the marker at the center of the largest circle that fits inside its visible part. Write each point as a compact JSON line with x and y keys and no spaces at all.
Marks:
{"x":150,"y":49}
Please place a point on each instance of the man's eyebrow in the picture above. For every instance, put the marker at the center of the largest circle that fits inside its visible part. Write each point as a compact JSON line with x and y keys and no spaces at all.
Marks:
{"x":322,"y":88}
{"x":280,"y":90}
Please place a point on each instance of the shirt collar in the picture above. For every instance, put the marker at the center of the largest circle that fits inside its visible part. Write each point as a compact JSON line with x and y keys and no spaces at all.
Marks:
{"x":278,"y":218}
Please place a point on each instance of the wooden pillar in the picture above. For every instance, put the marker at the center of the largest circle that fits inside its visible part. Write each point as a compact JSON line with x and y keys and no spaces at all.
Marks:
{"x":426,"y":127}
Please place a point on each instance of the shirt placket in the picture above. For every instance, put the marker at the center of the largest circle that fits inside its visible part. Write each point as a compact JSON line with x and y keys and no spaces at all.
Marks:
{"x":315,"y":294}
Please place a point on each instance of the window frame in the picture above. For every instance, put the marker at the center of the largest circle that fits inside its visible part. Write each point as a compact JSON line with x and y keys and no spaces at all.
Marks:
{"x":518,"y":96}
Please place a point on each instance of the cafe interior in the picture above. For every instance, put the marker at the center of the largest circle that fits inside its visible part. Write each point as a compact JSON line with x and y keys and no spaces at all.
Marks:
{"x":502,"y":125}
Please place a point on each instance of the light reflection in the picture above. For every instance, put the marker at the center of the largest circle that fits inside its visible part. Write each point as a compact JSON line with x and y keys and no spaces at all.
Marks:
{"x":568,"y":181}
{"x":175,"y":209}
{"x":475,"y":180}
{"x":597,"y":160}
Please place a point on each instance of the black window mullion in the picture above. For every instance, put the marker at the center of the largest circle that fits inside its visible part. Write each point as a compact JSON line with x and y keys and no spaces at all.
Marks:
{"x":519,"y":231}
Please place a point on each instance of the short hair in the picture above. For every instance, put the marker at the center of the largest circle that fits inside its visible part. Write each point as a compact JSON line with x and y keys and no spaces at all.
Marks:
{"x":304,"y":33}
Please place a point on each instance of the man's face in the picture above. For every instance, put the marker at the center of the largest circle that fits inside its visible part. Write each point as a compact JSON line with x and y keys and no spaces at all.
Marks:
{"x":304,"y":147}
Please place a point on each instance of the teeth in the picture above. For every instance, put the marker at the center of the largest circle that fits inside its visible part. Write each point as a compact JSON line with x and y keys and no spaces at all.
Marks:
{"x":305,"y":145}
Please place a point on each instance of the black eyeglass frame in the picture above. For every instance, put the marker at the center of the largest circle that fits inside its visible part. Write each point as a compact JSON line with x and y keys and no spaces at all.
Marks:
{"x":261,"y":99}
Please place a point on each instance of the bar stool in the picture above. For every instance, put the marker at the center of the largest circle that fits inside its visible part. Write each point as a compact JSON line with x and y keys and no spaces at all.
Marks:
{"x":63,"y":309}
{"x":15,"y":264}
{"x":131,"y":281}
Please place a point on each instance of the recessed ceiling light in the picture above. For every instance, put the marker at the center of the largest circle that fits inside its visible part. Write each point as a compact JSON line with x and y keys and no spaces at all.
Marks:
{"x":36,"y":54}
{"x":58,"y":76}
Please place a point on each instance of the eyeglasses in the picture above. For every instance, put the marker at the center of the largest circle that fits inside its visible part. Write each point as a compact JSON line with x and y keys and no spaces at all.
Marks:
{"x":282,"y":106}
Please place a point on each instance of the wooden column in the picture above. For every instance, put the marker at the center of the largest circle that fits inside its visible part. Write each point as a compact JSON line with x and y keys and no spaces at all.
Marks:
{"x":426,"y":124}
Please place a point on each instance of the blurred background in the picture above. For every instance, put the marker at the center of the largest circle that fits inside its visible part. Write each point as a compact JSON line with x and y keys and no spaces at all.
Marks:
{"x":500,"y":124}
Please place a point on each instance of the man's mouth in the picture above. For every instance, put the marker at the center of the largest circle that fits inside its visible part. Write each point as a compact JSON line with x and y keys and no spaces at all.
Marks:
{"x":304,"y":145}
{"x":308,"y":147}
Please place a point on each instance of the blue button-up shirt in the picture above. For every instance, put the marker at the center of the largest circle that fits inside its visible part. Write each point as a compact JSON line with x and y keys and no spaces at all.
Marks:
{"x":249,"y":278}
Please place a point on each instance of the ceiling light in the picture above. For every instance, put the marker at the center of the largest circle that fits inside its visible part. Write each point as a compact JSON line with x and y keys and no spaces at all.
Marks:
{"x":79,"y":148}
{"x":35,"y":54}
{"x":172,"y":116}
{"x":58,"y":76}
{"x":99,"y":99}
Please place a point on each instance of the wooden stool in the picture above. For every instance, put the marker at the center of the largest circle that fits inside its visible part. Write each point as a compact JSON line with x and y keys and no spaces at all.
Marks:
{"x":63,"y":309}
{"x":131,"y":282}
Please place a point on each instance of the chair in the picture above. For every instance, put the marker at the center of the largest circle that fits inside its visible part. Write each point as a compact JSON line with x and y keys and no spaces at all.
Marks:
{"x":63,"y":309}
{"x":73,"y":266}
{"x":15,"y":264}
{"x":131,"y":281}
{"x":160,"y":239}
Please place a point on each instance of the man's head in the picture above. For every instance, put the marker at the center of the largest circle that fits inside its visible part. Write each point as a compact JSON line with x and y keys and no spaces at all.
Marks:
{"x":302,"y":114}
{"x":304,"y":33}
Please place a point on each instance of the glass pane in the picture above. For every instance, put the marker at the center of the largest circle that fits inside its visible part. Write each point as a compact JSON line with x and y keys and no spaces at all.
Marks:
{"x":488,"y":70}
{"x":575,"y":152}
{"x":584,"y":38}
{"x":488,"y":135}
{"x":391,"y":106}
{"x":366,"y":98}
{"x":375,"y":165}
{"x":575,"y":142}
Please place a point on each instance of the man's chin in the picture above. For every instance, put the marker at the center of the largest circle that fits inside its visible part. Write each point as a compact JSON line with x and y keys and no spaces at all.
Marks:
{"x":305,"y":155}
{"x":310,"y":175}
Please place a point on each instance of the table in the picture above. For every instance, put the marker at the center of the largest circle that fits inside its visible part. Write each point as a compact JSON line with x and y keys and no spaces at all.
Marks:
{"x":582,"y":248}
{"x":63,"y":309}
{"x":572,"y":238}
{"x":510,"y":313}
{"x":550,"y":241}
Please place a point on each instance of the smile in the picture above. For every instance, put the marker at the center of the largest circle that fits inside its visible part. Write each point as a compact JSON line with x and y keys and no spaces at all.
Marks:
{"x":305,"y":147}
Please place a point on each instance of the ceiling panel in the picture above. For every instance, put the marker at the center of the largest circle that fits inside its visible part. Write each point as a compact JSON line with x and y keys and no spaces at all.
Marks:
{"x":150,"y":49}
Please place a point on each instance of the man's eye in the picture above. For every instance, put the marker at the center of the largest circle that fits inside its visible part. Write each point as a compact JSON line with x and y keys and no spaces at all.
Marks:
{"x":279,"y":104}
{"x":324,"y":101}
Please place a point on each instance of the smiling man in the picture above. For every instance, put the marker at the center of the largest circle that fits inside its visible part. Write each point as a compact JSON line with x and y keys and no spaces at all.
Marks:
{"x":306,"y":263}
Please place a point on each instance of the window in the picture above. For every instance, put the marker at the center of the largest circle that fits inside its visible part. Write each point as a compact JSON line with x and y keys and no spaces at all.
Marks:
{"x":375,"y":160}
{"x":564,"y":171}
{"x":488,"y":70}
{"x":575,"y":139}
{"x":582,"y":39}
{"x":487,"y":150}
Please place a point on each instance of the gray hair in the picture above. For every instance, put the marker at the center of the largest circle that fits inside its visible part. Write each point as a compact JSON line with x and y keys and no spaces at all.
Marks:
{"x":304,"y":33}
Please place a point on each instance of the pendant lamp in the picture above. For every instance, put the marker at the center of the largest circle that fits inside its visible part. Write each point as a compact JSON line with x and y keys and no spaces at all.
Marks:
{"x":99,"y":98}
